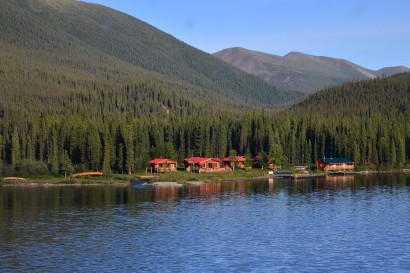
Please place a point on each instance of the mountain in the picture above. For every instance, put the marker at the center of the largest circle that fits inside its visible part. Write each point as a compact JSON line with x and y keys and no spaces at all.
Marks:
{"x":389,"y":71}
{"x":299,"y":71}
{"x":84,"y":87}
{"x":55,"y":52}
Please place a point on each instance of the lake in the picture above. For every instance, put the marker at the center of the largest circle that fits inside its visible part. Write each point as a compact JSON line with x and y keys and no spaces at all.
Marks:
{"x":336,"y":224}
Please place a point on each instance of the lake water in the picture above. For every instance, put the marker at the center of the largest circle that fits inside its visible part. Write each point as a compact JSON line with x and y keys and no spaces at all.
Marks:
{"x":339,"y":224}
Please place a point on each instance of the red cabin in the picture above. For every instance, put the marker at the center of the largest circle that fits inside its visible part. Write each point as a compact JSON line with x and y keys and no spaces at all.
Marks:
{"x":202,"y":164}
{"x":161,"y":165}
{"x":257,"y":161}
{"x":235,"y":162}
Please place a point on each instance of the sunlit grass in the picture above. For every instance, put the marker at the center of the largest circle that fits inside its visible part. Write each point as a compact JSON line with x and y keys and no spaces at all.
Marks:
{"x":179,"y":176}
{"x":182,"y":176}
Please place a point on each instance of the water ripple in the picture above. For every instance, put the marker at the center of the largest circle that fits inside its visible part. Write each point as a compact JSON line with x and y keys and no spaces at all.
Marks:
{"x":250,"y":226}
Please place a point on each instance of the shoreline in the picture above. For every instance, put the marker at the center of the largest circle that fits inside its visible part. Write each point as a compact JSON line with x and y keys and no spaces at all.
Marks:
{"x":124,"y":180}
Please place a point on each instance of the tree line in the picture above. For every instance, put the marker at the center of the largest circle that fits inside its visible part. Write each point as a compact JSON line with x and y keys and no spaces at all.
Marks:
{"x":53,"y":145}
{"x":53,"y":122}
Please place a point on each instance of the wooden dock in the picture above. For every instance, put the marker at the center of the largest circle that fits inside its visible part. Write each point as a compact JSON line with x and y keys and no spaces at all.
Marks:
{"x":308,"y":175}
{"x":341,"y":173}
{"x":146,"y":177}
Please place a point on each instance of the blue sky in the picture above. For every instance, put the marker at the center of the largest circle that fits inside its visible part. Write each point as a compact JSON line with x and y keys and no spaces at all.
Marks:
{"x":370,"y":33}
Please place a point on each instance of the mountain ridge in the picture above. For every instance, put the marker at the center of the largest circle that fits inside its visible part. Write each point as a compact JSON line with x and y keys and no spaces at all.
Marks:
{"x":300,"y":71}
{"x":97,"y":40}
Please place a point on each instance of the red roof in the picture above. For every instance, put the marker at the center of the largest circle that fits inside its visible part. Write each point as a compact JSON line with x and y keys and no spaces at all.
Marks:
{"x":239,"y":158}
{"x":197,"y":159}
{"x":258,"y":157}
{"x":162,"y":161}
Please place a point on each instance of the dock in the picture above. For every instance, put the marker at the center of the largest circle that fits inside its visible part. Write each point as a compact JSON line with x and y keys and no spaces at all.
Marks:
{"x":308,"y":175}
{"x":146,"y":177}
{"x":340,"y":173}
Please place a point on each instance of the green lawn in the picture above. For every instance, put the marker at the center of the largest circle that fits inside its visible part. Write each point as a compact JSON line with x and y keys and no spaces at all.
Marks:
{"x":183,"y":176}
{"x":179,"y":176}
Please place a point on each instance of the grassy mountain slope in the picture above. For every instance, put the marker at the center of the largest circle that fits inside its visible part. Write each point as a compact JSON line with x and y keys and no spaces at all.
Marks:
{"x":60,"y":48}
{"x":298,"y":71}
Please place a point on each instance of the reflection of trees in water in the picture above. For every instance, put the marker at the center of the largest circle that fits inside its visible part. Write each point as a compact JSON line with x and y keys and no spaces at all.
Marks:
{"x":209,"y":190}
{"x":299,"y":186}
{"x":382,"y":179}
{"x":19,"y":202}
{"x":337,"y":183}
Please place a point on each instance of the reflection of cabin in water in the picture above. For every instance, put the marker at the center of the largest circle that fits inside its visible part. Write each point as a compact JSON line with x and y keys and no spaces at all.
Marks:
{"x":335,"y":164}
{"x":161,"y":165}
{"x":236,"y":161}
{"x":202,"y":164}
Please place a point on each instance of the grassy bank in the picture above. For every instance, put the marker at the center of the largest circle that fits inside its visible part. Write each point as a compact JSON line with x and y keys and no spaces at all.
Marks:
{"x":179,"y":176}
{"x":51,"y":180}
{"x":123,"y":179}
{"x":182,"y":176}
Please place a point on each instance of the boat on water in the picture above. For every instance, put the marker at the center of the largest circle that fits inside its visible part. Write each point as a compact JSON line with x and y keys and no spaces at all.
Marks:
{"x":139,"y":184}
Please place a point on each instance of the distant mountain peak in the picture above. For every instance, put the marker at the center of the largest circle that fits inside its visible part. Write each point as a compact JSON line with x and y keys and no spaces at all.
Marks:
{"x":295,"y":54}
{"x":388,"y":71}
{"x":300,"y":71}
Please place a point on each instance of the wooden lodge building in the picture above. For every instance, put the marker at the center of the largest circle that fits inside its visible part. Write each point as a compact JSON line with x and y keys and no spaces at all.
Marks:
{"x":206,"y":164}
{"x":335,"y":164}
{"x":257,"y":161}
{"x":236,"y":162}
{"x":203,"y":164}
{"x":197,"y":164}
{"x":161,"y":165}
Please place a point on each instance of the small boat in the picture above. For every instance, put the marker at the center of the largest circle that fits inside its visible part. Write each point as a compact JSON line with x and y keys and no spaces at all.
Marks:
{"x":138,"y":184}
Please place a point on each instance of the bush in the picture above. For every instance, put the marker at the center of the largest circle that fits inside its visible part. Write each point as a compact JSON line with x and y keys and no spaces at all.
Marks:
{"x":31,"y":168}
{"x":8,"y":170}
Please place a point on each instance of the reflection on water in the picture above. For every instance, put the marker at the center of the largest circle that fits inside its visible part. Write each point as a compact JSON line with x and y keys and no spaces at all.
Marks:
{"x":20,"y":200}
{"x":22,"y":203}
{"x":356,"y":223}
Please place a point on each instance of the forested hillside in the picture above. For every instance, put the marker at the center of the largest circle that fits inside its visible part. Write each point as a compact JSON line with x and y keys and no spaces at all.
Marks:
{"x":73,"y":40}
{"x":368,"y":121}
{"x":69,"y":106}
